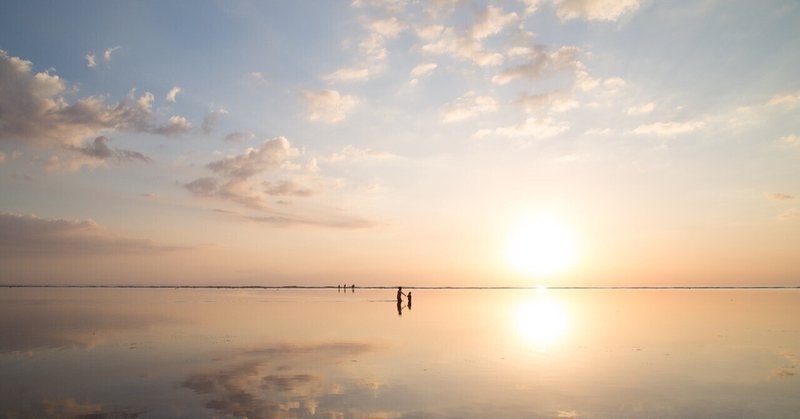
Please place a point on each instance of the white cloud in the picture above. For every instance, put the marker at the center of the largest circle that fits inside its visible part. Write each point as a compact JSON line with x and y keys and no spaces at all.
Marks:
{"x":388,"y":28}
{"x":614,"y":83}
{"x":642,"y":109}
{"x":792,"y":139}
{"x":173,"y":93}
{"x":492,"y":21}
{"x":559,"y":101}
{"x":388,"y":5}
{"x":272,"y":154}
{"x":328,"y":105}
{"x":34,"y":109}
{"x":350,"y":152}
{"x":90,"y":62}
{"x":422,"y":70}
{"x":664,"y":129}
{"x":608,"y":10}
{"x":531,"y":127}
{"x":598,"y":131}
{"x":107,"y":53}
{"x":786,"y":99}
{"x":468,"y":43}
{"x":468,"y":106}
{"x":349,"y":75}
{"x":257,"y":76}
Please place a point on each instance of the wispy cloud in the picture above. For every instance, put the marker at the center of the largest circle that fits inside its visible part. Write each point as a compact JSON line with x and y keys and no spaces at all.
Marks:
{"x":422,"y":70}
{"x":534,"y":128}
{"x":608,"y":10}
{"x":641,"y":109}
{"x":90,"y":61}
{"x":668,"y":129}
{"x":779,"y":196}
{"x":237,"y":137}
{"x":210,"y":121}
{"x":29,"y":235}
{"x":467,"y":106}
{"x":172,"y":95}
{"x":107,"y":53}
{"x":100,"y":150}
{"x":328,"y":106}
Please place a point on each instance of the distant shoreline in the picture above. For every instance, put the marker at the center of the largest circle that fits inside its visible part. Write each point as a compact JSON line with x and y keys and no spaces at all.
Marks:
{"x":383,"y":287}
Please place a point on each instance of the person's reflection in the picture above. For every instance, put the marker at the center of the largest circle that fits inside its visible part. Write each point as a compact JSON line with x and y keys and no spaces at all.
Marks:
{"x":399,"y":308}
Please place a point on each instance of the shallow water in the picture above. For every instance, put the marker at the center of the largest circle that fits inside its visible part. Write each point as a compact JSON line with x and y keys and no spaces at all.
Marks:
{"x":322,"y":353}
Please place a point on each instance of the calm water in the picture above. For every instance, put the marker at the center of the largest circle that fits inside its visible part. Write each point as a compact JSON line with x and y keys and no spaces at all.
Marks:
{"x":454,"y":354}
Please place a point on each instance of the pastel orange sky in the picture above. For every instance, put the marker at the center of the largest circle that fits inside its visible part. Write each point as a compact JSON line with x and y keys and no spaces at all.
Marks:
{"x":398,"y":142}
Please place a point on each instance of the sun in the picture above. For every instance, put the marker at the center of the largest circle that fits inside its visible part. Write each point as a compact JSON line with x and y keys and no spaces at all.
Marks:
{"x":543,"y":246}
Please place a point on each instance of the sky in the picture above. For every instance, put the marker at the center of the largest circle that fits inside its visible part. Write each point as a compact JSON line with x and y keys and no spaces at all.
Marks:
{"x":400,"y":142}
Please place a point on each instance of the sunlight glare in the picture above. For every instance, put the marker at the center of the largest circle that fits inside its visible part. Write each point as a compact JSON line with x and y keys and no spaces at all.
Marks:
{"x":542,"y":247}
{"x":541,"y":321}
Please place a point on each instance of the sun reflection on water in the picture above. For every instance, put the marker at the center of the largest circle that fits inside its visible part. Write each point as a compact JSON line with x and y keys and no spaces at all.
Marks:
{"x":541,"y":321}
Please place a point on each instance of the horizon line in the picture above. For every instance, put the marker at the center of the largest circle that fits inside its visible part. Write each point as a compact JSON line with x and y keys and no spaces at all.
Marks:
{"x":430,"y":287}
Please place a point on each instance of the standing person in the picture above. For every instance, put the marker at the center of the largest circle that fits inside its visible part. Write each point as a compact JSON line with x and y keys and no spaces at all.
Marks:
{"x":409,"y":299}
{"x":400,"y":295}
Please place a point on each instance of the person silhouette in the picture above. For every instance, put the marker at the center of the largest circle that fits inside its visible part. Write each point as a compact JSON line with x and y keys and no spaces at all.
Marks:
{"x":399,"y":308}
{"x":400,"y":295}
{"x":408,"y":296}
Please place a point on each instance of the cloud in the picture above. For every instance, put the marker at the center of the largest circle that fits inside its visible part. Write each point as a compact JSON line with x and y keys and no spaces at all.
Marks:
{"x":468,"y":43}
{"x":531,"y":127}
{"x":257,"y":76}
{"x":793,"y":140}
{"x":90,"y":62}
{"x":33,"y":110}
{"x":107,"y":53}
{"x":790,"y":214}
{"x":173,"y":93}
{"x":559,"y":101}
{"x":540,"y":64}
{"x":272,"y":154}
{"x":388,"y":28}
{"x":598,"y":131}
{"x":468,"y":106}
{"x":387,"y":5}
{"x":100,"y":150}
{"x":328,"y":106}
{"x":29,"y":235}
{"x":210,"y":121}
{"x":288,"y":188}
{"x":641,"y":110}
{"x":424,"y":69}
{"x":665,"y":129}
{"x":778,"y":196}
{"x":349,"y":75}
{"x":608,"y":10}
{"x":788,"y":100}
{"x":236,"y":171}
{"x":236,"y":137}
{"x":350,"y":152}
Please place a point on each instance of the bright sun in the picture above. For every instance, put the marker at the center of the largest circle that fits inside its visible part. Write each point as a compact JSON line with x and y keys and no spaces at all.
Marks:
{"x":544,"y":246}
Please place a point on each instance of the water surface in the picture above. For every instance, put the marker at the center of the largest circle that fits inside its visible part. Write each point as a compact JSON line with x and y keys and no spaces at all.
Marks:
{"x":455,"y":353}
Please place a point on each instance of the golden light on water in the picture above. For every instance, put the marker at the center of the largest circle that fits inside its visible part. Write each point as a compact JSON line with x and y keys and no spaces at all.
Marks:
{"x":544,"y":246}
{"x":541,"y":321}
